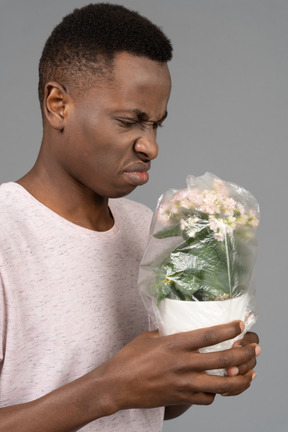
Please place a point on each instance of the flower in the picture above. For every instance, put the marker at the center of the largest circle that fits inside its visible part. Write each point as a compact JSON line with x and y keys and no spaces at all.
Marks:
{"x":221,"y":227}
{"x":189,"y":226}
{"x":215,"y":222}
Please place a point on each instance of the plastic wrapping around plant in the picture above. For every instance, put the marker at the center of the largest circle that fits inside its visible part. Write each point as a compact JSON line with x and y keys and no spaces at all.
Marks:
{"x":197,"y":270}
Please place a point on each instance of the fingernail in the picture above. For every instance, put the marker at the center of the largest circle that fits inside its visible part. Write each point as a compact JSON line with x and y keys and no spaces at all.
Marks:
{"x":233,"y":371}
{"x":242,"y":326}
{"x":253,"y":376}
{"x":257,"y":350}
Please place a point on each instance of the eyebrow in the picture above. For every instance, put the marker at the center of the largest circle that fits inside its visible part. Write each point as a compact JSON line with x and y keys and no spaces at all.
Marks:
{"x":143,"y":117}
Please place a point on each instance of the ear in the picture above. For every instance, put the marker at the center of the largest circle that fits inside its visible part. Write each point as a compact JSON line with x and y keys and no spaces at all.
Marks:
{"x":55,"y":101}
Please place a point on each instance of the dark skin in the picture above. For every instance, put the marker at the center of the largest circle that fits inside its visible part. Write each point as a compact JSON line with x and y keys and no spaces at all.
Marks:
{"x":94,"y":147}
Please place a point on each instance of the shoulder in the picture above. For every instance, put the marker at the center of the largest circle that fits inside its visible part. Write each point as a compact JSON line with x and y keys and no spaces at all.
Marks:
{"x":6,"y":189}
{"x":13,"y":208}
{"x":10,"y":193}
{"x":8,"y":202}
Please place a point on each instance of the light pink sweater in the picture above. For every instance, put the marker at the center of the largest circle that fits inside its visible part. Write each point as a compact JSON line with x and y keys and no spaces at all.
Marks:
{"x":68,"y":300}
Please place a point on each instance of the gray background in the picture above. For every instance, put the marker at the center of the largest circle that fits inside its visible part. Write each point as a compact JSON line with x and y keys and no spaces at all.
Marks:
{"x":227,"y":115}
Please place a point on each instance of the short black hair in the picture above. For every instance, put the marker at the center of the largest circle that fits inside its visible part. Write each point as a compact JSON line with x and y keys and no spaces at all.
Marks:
{"x":88,"y":39}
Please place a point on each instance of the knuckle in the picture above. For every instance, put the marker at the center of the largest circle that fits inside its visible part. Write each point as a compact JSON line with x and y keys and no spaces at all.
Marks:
{"x":180,"y":368}
{"x":224,"y":360}
{"x":209,"y":337}
{"x":184,"y":389}
{"x":243,"y":369}
{"x":223,"y":388}
{"x":172,"y":345}
{"x":246,"y":354}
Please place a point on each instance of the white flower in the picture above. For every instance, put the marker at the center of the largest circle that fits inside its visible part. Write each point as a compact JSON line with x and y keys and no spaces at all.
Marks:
{"x":164,"y":214}
{"x":189,"y":225}
{"x":182,"y":224}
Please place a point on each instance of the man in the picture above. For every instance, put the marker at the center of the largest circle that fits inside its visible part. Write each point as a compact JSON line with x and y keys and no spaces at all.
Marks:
{"x":74,"y":352}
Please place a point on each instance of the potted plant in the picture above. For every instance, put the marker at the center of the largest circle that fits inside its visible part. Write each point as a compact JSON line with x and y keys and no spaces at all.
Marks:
{"x":198,"y":265}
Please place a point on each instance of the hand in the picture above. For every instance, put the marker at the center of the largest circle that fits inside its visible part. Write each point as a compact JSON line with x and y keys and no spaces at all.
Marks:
{"x":249,"y":338}
{"x":155,"y":370}
{"x":150,"y":371}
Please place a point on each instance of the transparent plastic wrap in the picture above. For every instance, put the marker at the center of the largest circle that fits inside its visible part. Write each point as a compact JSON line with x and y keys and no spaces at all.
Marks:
{"x":197,"y":270}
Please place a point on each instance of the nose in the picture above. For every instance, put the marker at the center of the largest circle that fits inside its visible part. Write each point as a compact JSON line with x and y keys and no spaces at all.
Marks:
{"x":146,"y":144}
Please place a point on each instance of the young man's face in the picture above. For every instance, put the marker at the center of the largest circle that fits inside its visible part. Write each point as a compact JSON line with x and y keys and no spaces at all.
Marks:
{"x":111,"y":131}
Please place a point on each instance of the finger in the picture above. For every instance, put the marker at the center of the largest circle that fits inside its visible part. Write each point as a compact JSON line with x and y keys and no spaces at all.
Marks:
{"x":239,"y":344}
{"x":237,"y":392}
{"x":209,"y":336}
{"x":223,"y":359}
{"x":248,"y":338}
{"x":202,"y":398}
{"x":242,"y":369}
{"x":227,"y":385}
{"x":246,"y":367}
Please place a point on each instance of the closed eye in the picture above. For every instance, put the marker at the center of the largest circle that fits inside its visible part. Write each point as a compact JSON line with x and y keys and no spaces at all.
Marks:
{"x":157,"y":125}
{"x":127,"y":123}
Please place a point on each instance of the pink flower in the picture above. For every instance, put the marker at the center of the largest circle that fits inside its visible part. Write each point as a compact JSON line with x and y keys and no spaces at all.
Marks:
{"x":225,"y":214}
{"x":240,"y":208}
{"x":219,"y":236}
{"x":228,"y":206}
{"x":209,"y":203}
{"x":213,"y":224}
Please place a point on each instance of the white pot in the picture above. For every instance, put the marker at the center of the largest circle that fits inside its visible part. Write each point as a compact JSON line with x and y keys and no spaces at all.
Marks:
{"x":176,"y":316}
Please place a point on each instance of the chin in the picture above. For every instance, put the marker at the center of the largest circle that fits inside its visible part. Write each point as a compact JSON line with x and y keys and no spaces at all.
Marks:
{"x":121,"y":193}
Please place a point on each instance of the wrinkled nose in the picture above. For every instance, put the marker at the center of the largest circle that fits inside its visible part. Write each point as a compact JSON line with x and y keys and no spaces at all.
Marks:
{"x":146,"y":144}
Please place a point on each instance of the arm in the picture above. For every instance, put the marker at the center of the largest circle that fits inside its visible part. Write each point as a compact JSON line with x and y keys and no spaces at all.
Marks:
{"x":65,"y":409}
{"x":150,"y":371}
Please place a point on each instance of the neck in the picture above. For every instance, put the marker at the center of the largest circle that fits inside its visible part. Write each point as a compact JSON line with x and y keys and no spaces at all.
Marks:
{"x":67,"y":197}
